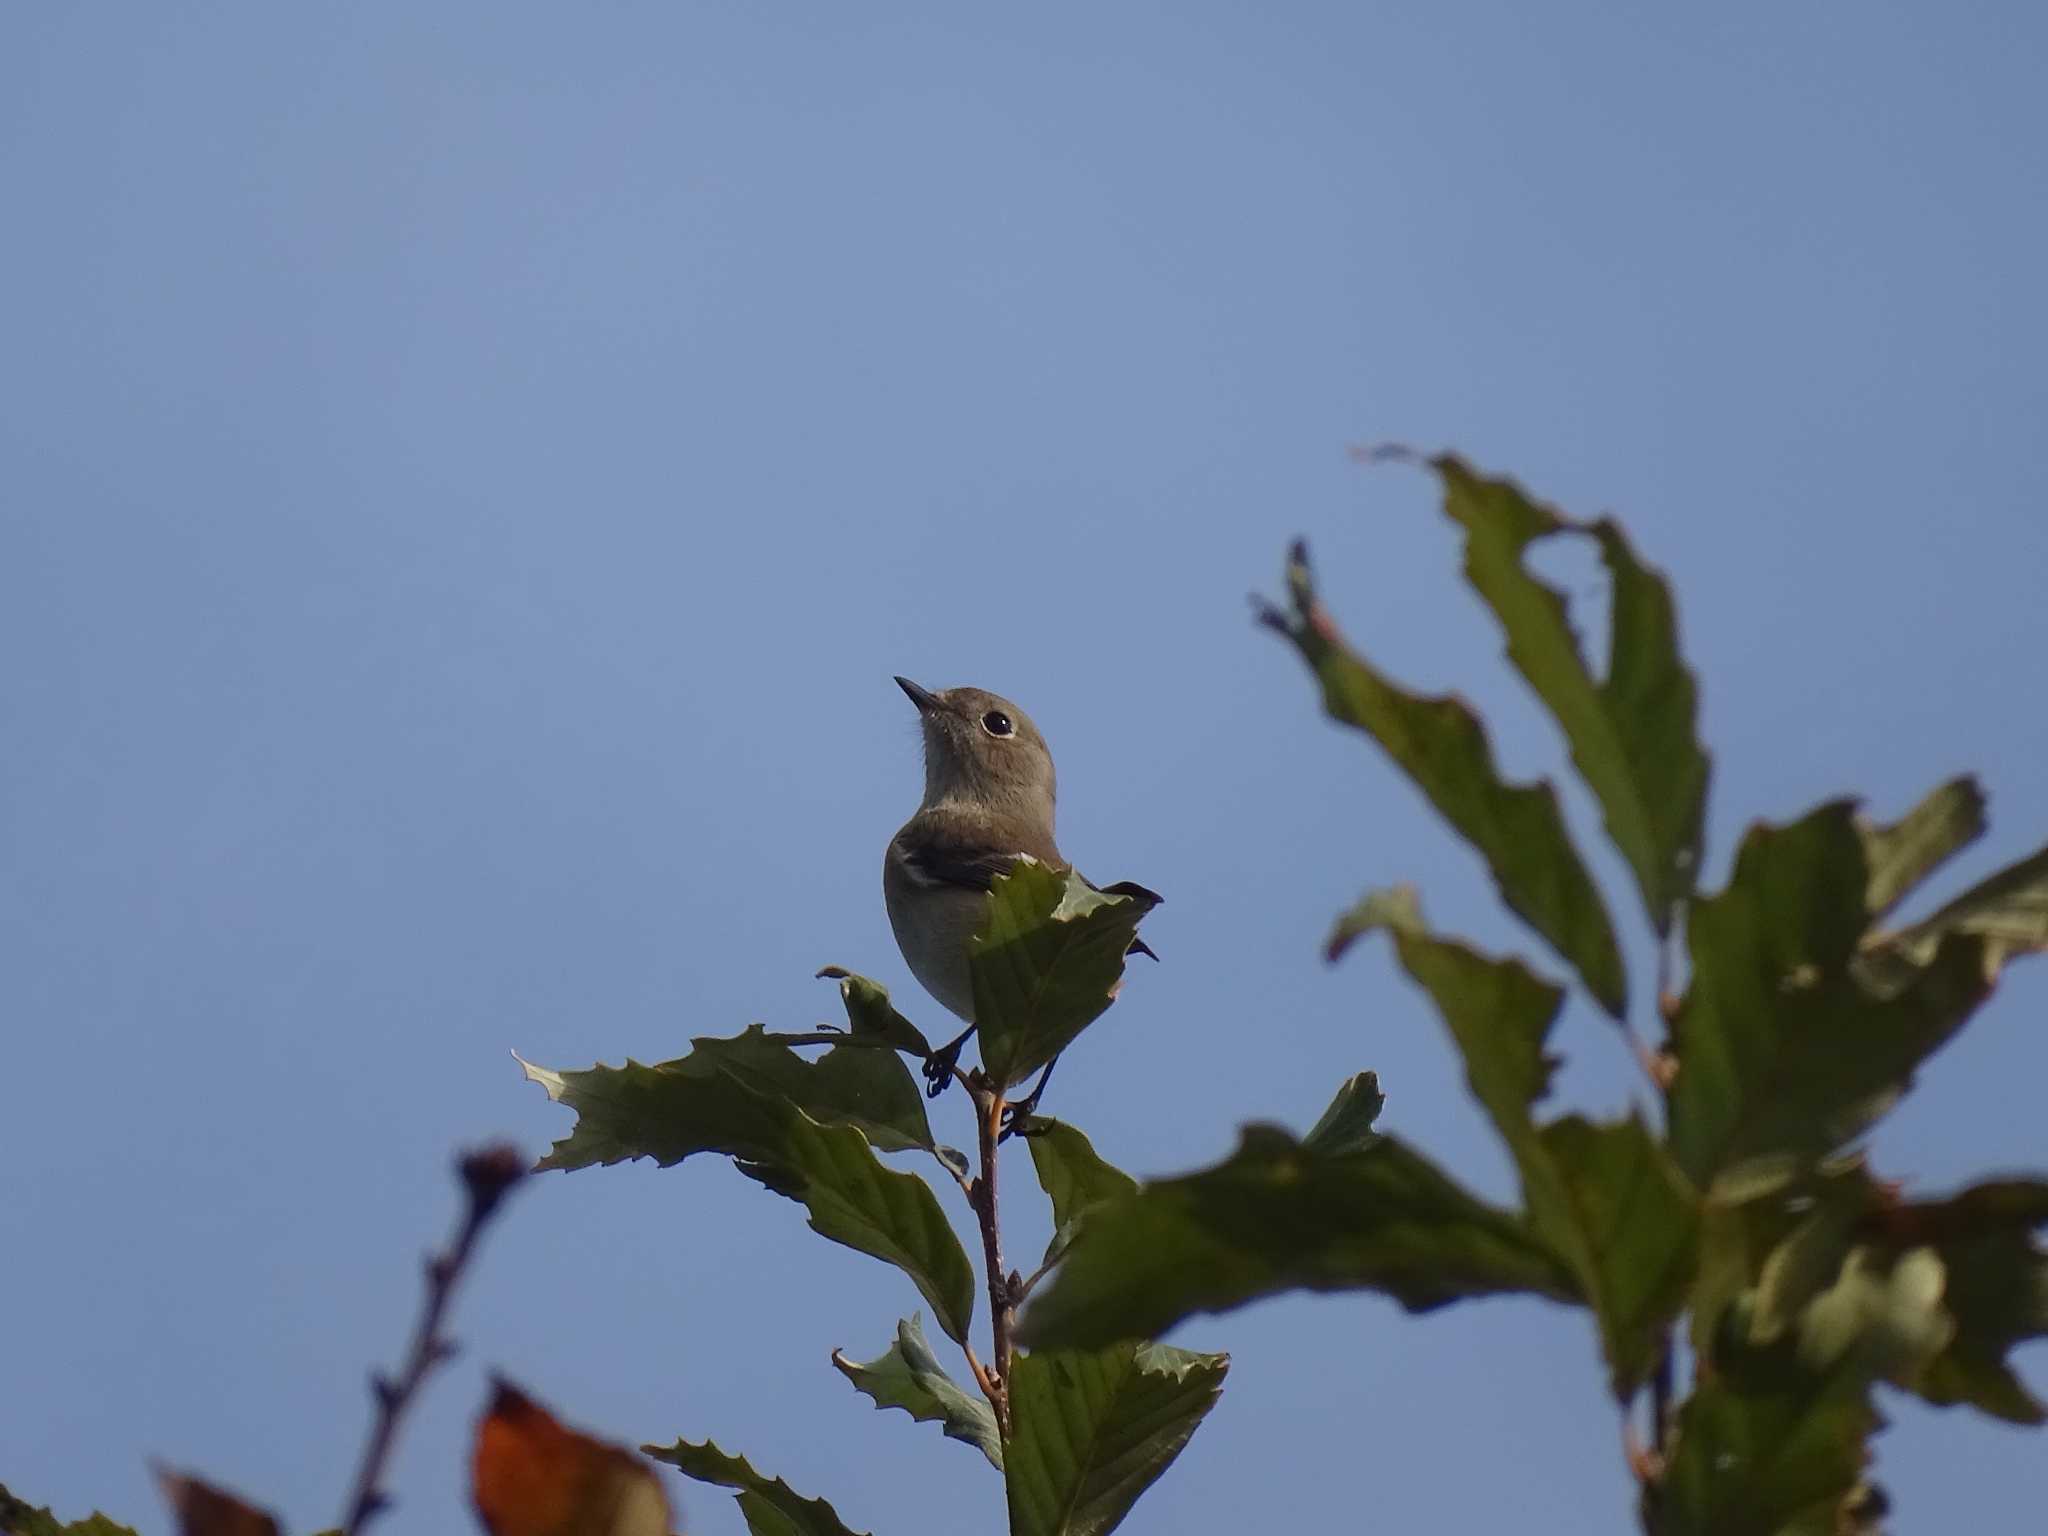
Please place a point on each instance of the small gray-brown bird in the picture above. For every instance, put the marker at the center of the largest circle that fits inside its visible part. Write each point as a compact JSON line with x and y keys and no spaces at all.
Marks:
{"x":988,"y":797}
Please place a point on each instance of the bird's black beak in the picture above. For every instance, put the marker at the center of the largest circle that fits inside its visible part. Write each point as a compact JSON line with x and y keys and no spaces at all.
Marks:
{"x":925,"y":700}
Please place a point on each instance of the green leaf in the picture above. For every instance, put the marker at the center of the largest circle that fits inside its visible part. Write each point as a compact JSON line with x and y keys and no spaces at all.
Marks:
{"x":1442,"y":747}
{"x":1045,"y":964}
{"x":1605,"y":1197}
{"x":1346,"y":1126}
{"x":1905,"y":853}
{"x":1753,"y":1460}
{"x":1633,"y":736}
{"x":1629,"y":1225}
{"x":1093,"y":1430}
{"x":869,"y":1011}
{"x":1883,"y":1314}
{"x":669,"y":1112}
{"x":1072,"y":1176}
{"x":908,"y":1376}
{"x":1773,"y":1439}
{"x":1784,"y":1051}
{"x":771,"y":1506}
{"x":863,"y":1086}
{"x":858,"y":1085}
{"x":1996,"y":1295}
{"x":1739,"y":1238}
{"x":1499,"y":1012}
{"x":2007,"y":915}
{"x":1277,"y":1217}
{"x":19,"y":1518}
{"x":1932,"y":1294}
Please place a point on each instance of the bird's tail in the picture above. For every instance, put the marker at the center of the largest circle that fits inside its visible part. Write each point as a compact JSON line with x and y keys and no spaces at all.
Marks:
{"x":1148,"y":899}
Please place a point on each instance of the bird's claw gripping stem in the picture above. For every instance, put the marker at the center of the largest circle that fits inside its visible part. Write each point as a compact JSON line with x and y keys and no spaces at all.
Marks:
{"x":940,"y":1066}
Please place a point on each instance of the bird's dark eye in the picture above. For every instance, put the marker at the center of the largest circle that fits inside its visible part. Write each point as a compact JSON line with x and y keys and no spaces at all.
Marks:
{"x":996,"y":723}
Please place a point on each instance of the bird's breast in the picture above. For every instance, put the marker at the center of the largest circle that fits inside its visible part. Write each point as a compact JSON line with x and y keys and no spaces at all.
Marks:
{"x":933,"y":924}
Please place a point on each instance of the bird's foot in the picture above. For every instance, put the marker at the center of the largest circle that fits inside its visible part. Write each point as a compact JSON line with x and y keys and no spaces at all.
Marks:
{"x":1019,"y":1119}
{"x":943,"y":1063}
{"x":1017,"y":1116}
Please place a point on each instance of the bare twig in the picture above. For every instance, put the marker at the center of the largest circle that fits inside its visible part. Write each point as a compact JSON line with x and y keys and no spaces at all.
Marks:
{"x":488,"y":1175}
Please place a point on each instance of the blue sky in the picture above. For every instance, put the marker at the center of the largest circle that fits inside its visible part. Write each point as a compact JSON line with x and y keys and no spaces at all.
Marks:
{"x":472,"y":470}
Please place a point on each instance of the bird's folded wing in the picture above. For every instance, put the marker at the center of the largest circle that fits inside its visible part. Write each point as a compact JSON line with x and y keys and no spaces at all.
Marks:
{"x":931,"y":858}
{"x":936,"y":863}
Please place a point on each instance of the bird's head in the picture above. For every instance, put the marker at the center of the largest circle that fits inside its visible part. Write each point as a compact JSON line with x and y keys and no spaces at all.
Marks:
{"x":982,"y":749}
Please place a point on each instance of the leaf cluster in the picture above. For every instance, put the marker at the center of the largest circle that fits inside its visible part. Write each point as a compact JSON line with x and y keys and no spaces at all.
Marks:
{"x":1742,"y":1265}
{"x":1077,"y":1433}
{"x":1734,"y":1210}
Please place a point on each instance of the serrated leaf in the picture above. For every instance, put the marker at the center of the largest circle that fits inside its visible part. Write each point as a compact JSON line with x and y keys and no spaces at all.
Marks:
{"x":869,"y":1012}
{"x":19,"y":1518}
{"x":1094,"y":1429}
{"x":1346,"y":1126}
{"x":1906,"y":852}
{"x":1275,"y":1217}
{"x":533,"y":1476}
{"x":1784,"y":1052}
{"x":1045,"y":964}
{"x":1073,"y":1176}
{"x":1442,"y":747}
{"x":857,"y":1085}
{"x":1605,"y":1197}
{"x":2007,"y":916}
{"x":1632,"y":735}
{"x":908,"y":1375}
{"x":670,"y":1112}
{"x":771,"y":1507}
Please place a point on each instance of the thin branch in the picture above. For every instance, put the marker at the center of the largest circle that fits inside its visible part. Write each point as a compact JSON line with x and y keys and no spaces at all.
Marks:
{"x":1002,"y":1303}
{"x":488,"y":1175}
{"x":982,"y":1379}
{"x":1659,"y":1062}
{"x":1660,"y":1398}
{"x":1664,"y":969}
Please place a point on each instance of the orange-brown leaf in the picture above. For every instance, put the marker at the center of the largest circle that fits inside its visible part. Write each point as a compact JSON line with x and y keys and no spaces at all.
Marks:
{"x":204,"y":1510}
{"x":533,"y":1477}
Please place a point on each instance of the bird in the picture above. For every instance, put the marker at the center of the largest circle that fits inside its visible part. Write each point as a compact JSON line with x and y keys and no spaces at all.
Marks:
{"x":989,"y":792}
